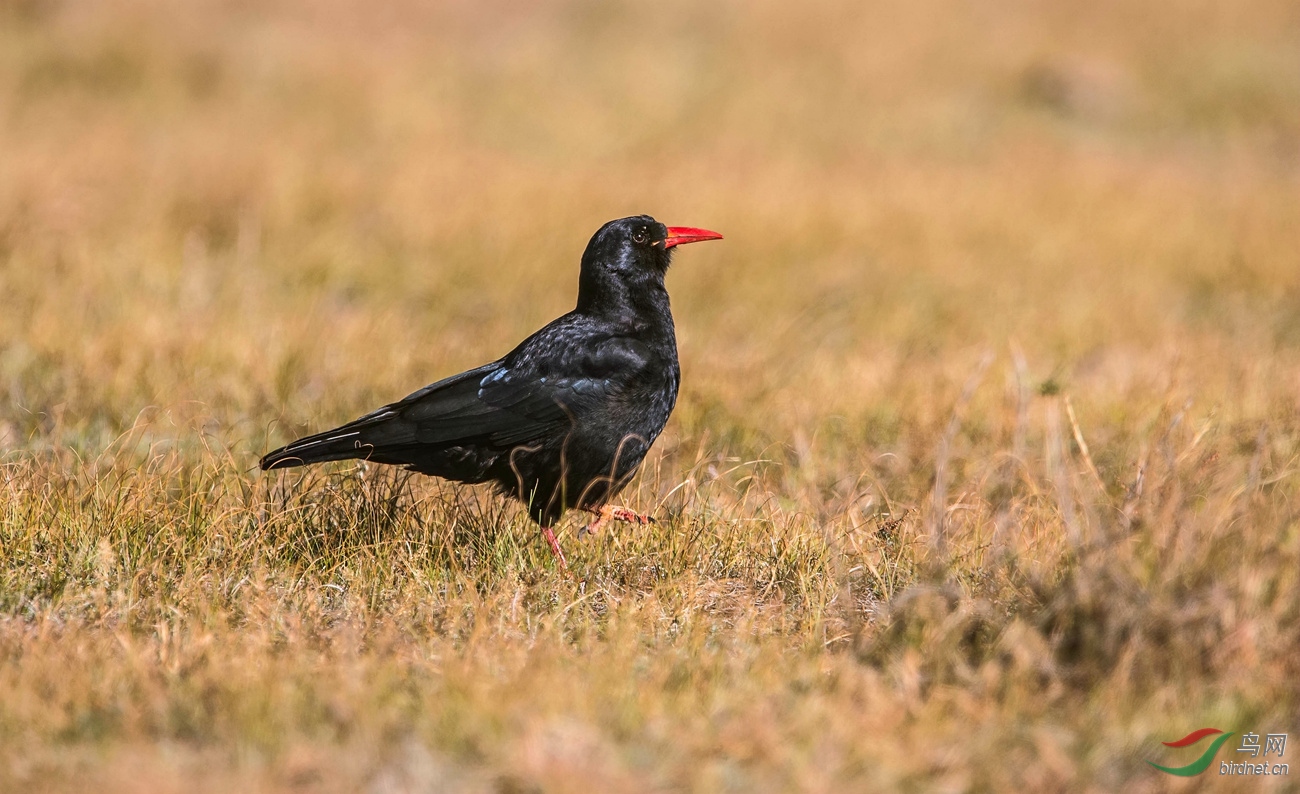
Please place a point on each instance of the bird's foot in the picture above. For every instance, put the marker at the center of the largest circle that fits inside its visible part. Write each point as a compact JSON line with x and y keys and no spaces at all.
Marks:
{"x":609,"y":513}
{"x":627,"y":514}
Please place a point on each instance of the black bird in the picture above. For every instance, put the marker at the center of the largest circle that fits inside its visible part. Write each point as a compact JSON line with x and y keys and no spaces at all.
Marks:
{"x":565,"y":418}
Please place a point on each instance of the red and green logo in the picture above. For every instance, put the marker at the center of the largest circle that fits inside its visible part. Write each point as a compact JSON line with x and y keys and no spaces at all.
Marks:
{"x":1201,"y":764}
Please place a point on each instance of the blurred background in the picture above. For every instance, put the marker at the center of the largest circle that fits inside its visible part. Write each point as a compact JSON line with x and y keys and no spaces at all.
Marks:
{"x":982,"y":477}
{"x":290,"y":211}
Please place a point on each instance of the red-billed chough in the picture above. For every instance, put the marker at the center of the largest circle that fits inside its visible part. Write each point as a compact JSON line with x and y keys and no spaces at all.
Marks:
{"x":565,"y":418}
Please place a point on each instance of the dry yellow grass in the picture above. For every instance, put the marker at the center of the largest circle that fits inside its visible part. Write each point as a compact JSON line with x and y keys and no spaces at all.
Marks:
{"x":965,"y":243}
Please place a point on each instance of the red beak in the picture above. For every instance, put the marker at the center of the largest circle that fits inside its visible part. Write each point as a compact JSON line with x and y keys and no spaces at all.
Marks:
{"x":680,"y":235}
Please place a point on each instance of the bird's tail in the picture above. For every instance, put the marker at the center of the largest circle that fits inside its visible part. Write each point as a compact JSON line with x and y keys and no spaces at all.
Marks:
{"x":341,"y":443}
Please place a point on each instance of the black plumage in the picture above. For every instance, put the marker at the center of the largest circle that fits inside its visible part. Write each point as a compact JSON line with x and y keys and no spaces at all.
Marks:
{"x":565,"y":418}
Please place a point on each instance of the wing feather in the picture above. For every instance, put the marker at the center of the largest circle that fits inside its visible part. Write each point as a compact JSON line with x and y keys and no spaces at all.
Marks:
{"x":533,"y":394}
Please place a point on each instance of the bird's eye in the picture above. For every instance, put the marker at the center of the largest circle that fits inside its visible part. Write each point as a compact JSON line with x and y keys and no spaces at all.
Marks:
{"x":640,"y":236}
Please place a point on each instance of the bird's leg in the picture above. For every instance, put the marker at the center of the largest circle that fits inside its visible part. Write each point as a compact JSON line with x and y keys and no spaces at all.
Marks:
{"x":551,"y":541}
{"x":606,"y":513}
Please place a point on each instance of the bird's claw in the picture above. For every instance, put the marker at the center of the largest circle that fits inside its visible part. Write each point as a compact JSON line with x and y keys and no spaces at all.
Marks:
{"x":625,"y":514}
{"x":608,"y":513}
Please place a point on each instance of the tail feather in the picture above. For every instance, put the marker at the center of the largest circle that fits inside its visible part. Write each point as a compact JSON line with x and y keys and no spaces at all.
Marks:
{"x":341,"y":443}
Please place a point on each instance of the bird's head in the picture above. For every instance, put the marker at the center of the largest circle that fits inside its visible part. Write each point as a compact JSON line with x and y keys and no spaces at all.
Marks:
{"x":628,"y":255}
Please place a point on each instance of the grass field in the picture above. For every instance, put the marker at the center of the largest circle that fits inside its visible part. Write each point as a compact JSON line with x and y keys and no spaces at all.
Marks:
{"x":985,"y":474}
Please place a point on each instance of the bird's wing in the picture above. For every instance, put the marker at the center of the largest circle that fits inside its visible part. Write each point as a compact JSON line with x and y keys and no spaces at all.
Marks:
{"x":522,"y":398}
{"x":448,"y":413}
{"x":540,"y":393}
{"x":499,"y":406}
{"x":533,"y":392}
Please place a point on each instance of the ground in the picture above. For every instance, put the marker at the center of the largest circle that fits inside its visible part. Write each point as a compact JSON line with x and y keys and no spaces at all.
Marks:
{"x":984,"y":474}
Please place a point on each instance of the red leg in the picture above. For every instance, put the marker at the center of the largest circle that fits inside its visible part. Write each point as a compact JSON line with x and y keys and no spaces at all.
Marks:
{"x":551,"y":541}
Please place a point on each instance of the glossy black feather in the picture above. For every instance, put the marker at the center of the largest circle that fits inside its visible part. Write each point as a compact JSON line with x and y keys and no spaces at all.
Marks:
{"x":561,"y":421}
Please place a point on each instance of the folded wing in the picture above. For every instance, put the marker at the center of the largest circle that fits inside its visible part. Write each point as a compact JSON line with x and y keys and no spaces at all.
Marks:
{"x":487,"y":410}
